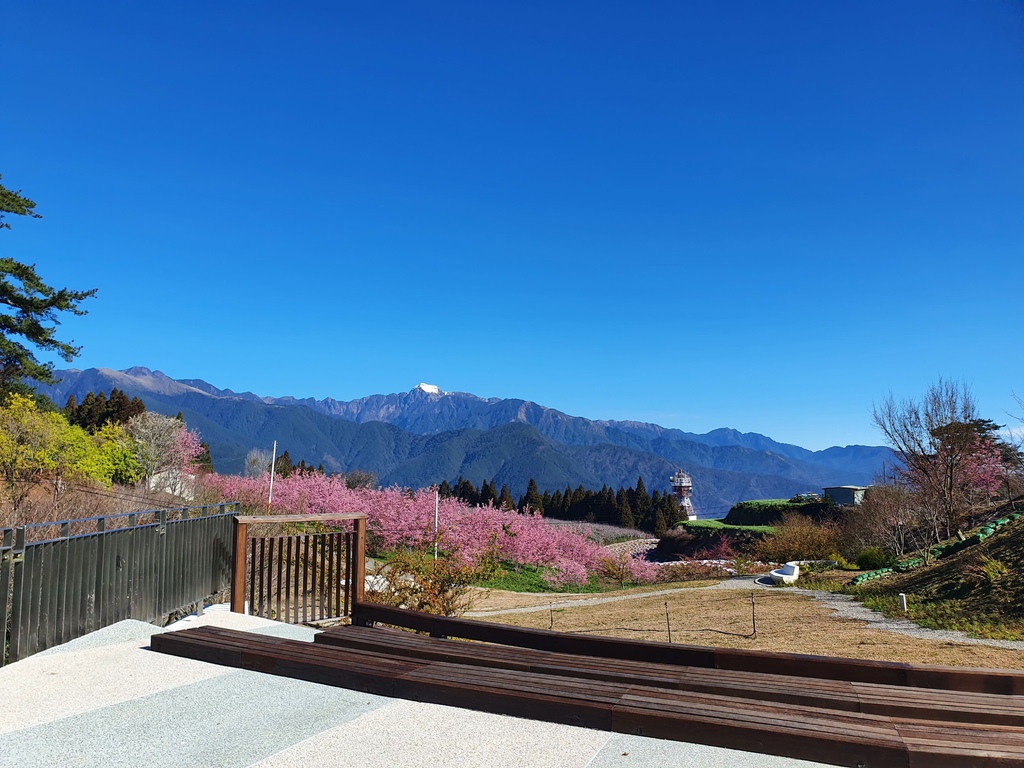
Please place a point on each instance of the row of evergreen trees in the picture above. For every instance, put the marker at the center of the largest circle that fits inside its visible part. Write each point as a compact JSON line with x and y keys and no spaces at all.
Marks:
{"x":285,"y":467}
{"x":96,"y":410}
{"x":628,"y":507}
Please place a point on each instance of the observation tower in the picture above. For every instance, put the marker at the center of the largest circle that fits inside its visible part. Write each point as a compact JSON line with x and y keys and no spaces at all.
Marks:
{"x":682,"y":487}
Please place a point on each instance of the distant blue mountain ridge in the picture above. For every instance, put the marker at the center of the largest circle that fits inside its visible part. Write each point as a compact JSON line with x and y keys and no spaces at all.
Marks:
{"x":421,"y":437}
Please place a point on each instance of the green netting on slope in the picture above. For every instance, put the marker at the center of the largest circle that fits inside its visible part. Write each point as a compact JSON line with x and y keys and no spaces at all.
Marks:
{"x":939,"y":551}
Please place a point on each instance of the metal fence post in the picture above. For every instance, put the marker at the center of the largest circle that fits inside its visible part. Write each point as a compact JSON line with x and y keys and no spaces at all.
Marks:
{"x":6,"y":556}
{"x":161,"y":562}
{"x":18,"y":596}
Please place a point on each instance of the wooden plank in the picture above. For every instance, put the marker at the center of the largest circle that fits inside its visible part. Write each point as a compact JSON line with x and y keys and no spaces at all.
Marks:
{"x":802,"y":665}
{"x":320,"y":518}
{"x":1002,"y":682}
{"x":792,"y":718}
{"x":764,"y":738}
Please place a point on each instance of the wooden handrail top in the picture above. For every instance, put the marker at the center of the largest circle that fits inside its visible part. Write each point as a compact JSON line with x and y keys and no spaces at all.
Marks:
{"x":251,"y":520}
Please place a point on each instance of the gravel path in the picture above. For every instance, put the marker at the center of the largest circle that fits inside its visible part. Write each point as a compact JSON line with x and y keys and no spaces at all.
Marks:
{"x":841,"y":606}
{"x":845,"y":607}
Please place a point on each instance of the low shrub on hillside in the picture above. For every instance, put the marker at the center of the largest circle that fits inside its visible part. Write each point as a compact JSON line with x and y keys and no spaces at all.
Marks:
{"x":695,"y":541}
{"x":873,"y":558}
{"x":691,"y":570}
{"x":798,"y":537}
{"x":984,"y":572}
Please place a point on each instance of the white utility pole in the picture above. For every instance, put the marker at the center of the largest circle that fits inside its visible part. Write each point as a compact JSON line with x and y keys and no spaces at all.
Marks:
{"x":273,"y":461}
{"x":436,"y":504}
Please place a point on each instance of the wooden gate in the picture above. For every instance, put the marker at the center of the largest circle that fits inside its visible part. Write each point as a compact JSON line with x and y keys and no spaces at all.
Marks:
{"x":300,"y":568}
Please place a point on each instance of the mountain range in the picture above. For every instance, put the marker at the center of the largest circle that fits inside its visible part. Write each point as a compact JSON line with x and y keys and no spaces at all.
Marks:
{"x":421,"y":437}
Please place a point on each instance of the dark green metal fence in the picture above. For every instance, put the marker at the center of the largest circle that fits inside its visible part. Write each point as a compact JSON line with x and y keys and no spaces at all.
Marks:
{"x":62,"y":580}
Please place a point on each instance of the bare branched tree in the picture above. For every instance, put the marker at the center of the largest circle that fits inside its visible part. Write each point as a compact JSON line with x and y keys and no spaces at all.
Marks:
{"x":156,"y":439}
{"x":946,"y":451}
{"x":885,"y":519}
{"x":257,"y":462}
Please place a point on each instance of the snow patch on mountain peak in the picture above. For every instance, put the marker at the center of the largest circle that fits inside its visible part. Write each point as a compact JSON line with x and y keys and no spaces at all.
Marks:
{"x":430,"y":389}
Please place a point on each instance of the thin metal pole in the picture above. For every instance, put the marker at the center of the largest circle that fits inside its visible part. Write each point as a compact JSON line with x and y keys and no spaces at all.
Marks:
{"x":273,"y":461}
{"x":436,"y":505}
{"x":753,"y":615}
{"x":668,"y":624}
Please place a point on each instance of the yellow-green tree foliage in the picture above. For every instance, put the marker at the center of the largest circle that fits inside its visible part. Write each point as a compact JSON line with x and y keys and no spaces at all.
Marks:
{"x":39,"y":447}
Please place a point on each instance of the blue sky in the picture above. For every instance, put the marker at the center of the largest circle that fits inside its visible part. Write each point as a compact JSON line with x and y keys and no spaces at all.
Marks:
{"x":757,"y":215}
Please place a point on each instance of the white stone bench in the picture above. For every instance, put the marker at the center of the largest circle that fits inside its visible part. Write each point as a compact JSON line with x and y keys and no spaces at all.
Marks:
{"x":787,"y":574}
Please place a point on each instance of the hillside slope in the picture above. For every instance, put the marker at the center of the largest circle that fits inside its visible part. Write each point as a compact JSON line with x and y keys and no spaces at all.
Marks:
{"x":981,"y":586}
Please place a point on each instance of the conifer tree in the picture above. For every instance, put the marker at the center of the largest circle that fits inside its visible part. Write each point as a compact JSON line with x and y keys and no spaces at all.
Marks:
{"x":579,"y":495}
{"x":71,"y":409}
{"x":466,"y":491}
{"x":532,"y":499}
{"x":641,"y":504}
{"x":283,"y":466}
{"x":28,"y":311}
{"x":660,"y":524}
{"x":626,"y":519}
{"x":488,"y":494}
{"x":505,"y":500}
{"x":96,"y":415}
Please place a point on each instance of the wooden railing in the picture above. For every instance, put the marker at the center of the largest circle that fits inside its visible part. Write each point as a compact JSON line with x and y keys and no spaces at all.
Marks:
{"x":298,"y":576}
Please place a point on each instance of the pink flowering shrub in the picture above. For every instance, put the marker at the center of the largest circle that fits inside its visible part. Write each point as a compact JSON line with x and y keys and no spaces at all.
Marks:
{"x":399,"y":518}
{"x":186,"y":448}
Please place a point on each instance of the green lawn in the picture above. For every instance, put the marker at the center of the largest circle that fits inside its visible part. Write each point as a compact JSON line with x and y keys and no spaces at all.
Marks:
{"x":718,"y":525}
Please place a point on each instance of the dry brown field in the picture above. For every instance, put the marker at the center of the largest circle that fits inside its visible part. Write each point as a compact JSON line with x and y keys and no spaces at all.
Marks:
{"x":788,"y":620}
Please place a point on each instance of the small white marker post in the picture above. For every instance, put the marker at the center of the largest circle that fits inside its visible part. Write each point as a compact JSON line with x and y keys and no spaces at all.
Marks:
{"x":903,"y":602}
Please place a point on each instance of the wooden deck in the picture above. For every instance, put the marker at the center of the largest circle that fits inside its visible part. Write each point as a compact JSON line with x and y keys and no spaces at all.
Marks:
{"x":836,"y":711}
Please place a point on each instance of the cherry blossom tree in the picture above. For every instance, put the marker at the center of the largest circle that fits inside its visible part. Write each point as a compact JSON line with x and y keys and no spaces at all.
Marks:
{"x":399,"y":518}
